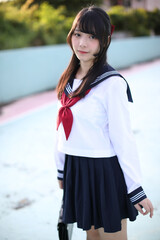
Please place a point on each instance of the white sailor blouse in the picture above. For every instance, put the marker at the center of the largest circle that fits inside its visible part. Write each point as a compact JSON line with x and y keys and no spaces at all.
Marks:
{"x":101,"y":128}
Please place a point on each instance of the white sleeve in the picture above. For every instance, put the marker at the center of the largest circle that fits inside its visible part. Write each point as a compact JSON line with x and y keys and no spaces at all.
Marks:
{"x":121,"y":134}
{"x":59,"y":158}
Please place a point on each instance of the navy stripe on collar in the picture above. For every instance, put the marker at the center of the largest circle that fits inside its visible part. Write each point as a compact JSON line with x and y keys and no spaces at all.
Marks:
{"x":107,"y":71}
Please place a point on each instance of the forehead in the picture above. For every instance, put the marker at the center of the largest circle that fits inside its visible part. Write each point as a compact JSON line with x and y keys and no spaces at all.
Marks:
{"x":84,"y":29}
{"x":81,"y":31}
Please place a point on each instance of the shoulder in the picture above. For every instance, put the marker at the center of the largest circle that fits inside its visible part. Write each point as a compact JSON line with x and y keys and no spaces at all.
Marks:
{"x":112,"y":89}
{"x":112,"y":77}
{"x":113,"y":83}
{"x":115,"y":91}
{"x":116,"y":81}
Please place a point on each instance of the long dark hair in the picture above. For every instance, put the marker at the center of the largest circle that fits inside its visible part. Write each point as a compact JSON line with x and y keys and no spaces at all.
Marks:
{"x":91,"y":20}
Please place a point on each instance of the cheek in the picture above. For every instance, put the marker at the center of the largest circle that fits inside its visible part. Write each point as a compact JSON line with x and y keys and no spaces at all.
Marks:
{"x":74,"y":42}
{"x":97,"y":46}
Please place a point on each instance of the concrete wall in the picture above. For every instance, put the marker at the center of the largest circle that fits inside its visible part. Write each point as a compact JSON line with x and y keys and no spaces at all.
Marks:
{"x":146,"y":4}
{"x":126,"y":52}
{"x":30,"y":70}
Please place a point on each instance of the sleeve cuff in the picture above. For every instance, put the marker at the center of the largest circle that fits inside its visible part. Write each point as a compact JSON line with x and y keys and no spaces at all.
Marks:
{"x":60,"y":174}
{"x":137,"y":195}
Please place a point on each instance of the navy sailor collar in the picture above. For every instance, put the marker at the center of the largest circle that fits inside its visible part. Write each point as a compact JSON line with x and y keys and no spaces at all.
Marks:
{"x":107,"y":71}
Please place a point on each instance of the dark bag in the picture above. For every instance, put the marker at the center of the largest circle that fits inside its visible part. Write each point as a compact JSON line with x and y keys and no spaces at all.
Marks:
{"x":62,"y":231}
{"x":62,"y":227}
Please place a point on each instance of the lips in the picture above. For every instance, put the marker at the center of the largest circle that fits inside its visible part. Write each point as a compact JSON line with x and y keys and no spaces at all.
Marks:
{"x":82,"y":52}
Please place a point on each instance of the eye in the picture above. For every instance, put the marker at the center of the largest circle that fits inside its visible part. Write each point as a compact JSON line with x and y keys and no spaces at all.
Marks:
{"x":77,"y":34}
{"x":92,"y":37}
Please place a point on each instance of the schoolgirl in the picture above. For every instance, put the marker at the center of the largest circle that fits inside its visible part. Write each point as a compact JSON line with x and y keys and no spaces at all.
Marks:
{"x":96,"y":155}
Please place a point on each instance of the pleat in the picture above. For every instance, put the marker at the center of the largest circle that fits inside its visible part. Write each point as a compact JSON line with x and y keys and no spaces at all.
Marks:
{"x":95,"y":193}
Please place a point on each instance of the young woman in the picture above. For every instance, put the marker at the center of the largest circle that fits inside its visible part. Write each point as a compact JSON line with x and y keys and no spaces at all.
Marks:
{"x":96,"y":156}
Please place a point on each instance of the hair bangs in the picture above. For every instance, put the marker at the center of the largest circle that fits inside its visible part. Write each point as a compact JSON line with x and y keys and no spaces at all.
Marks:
{"x":91,"y":23}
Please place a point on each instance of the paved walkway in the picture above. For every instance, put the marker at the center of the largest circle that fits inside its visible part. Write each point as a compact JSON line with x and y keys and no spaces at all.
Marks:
{"x":29,"y":194}
{"x":26,"y":105}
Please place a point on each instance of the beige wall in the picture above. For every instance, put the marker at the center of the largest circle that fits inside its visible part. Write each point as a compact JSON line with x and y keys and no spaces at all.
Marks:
{"x":147,"y":4}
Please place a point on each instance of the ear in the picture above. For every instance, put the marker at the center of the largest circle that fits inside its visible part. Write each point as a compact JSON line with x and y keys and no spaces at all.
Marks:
{"x":109,"y":39}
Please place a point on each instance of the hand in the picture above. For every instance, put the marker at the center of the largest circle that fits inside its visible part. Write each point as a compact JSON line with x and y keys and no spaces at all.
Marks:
{"x":60,"y":182}
{"x":146,"y":203}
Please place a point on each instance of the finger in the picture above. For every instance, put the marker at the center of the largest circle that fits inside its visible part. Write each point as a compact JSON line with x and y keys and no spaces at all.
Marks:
{"x":151,"y":212}
{"x":60,"y":184}
{"x":137,"y":206}
{"x":146,"y":211}
{"x":151,"y":209}
{"x":146,"y":208}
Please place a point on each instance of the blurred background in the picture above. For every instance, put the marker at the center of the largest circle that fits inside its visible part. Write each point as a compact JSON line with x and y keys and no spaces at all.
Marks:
{"x":33,"y":55}
{"x":36,"y":23}
{"x":33,"y":40}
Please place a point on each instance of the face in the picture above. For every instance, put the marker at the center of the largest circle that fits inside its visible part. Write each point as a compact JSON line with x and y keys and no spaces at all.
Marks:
{"x":85,"y":46}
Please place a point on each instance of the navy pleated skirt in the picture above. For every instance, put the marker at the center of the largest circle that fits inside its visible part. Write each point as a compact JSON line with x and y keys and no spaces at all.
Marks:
{"x":95,"y":193}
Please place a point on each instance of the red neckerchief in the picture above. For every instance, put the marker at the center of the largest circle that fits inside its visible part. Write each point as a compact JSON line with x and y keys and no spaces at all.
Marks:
{"x":65,"y":114}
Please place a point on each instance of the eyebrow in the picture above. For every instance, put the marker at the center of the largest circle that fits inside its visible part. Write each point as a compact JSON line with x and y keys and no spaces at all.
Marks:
{"x":77,"y":30}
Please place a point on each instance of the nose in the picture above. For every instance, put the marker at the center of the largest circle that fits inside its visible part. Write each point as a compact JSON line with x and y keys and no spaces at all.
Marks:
{"x":83,"y":42}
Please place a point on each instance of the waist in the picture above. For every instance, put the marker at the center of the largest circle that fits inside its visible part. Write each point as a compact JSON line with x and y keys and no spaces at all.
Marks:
{"x":87,"y":152}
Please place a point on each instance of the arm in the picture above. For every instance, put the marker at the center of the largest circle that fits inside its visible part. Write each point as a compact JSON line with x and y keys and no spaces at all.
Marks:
{"x":60,"y":161}
{"x":123,"y":143}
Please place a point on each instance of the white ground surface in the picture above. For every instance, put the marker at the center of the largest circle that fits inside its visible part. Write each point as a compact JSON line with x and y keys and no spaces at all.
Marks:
{"x":29,"y":194}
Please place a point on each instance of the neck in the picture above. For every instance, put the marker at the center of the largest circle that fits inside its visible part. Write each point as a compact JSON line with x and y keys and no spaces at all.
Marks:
{"x":84,"y":68}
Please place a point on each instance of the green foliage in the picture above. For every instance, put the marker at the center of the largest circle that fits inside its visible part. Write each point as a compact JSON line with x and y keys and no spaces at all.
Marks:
{"x":71,"y":5}
{"x":34,"y":26}
{"x":117,"y":15}
{"x":75,"y":5}
{"x":29,"y":23}
{"x":53,"y":23}
{"x":154,"y":21}
{"x":138,"y":22}
{"x":14,"y":28}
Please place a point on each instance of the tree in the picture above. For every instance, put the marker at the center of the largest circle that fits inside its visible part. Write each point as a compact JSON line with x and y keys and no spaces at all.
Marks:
{"x":71,"y":5}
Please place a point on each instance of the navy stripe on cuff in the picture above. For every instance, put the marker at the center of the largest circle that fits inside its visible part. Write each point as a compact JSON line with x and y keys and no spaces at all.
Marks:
{"x":137,"y":195}
{"x":59,"y":178}
{"x":60,"y":174}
